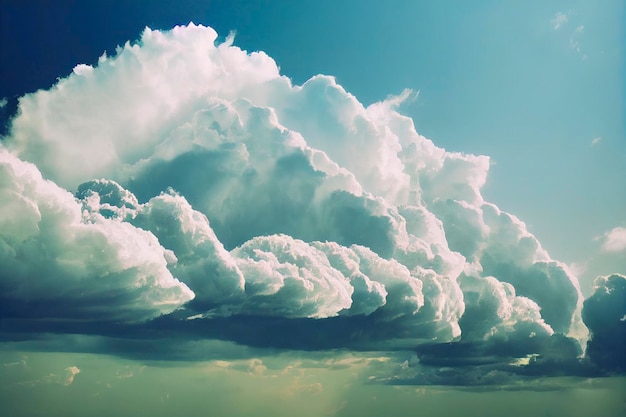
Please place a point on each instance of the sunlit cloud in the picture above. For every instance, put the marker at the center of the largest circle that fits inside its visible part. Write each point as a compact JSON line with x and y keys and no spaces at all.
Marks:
{"x":184,"y":189}
{"x":71,"y":373}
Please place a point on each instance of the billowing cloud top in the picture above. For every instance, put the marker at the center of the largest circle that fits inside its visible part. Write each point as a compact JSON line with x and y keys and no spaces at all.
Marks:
{"x":205,"y":182}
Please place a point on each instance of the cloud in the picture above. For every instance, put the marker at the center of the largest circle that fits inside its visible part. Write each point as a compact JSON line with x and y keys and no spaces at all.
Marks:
{"x":614,"y":240}
{"x":559,"y":20}
{"x":604,"y":314}
{"x":57,"y":264}
{"x":66,"y":379}
{"x":595,"y":140}
{"x":184,"y":190}
{"x":71,"y":373}
{"x":575,"y":42}
{"x":3,"y":102}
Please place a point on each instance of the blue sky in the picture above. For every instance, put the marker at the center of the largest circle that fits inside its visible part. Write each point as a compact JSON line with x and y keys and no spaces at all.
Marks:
{"x":192,"y":219}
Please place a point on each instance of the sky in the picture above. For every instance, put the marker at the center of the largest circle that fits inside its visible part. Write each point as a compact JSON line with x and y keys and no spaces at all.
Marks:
{"x":334,"y":209}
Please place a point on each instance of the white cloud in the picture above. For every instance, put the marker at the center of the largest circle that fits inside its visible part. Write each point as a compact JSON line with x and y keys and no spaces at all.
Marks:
{"x":3,"y":102}
{"x":57,"y":263}
{"x":614,"y":240}
{"x":595,"y":140}
{"x":559,"y":20}
{"x":287,"y":201}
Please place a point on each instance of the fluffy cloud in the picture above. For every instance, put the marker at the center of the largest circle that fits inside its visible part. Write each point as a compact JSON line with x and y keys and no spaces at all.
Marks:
{"x":614,"y":240}
{"x":277,"y":275}
{"x":605,"y":315}
{"x":58,"y":264}
{"x":209,"y":187}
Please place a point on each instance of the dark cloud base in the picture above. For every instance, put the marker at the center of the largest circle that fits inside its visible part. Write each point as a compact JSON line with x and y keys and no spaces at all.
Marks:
{"x":168,"y":338}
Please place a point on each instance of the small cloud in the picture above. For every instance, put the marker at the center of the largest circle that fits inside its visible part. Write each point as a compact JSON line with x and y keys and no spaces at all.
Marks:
{"x":575,"y":41}
{"x":558,"y":20}
{"x":66,"y":379}
{"x":3,"y":102}
{"x":406,"y":96}
{"x":256,"y":367}
{"x":70,"y":373}
{"x":595,"y":140}
{"x":614,"y":240}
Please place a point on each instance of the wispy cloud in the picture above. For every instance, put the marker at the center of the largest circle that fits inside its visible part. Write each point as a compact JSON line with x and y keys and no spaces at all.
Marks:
{"x":575,"y":39}
{"x":614,"y":240}
{"x":559,"y":20}
{"x":595,"y":140}
{"x":66,"y":379}
{"x":21,"y":362}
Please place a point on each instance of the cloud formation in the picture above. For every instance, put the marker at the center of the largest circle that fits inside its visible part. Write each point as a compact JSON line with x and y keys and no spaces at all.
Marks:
{"x":558,"y":20}
{"x":212,"y":197}
{"x":614,"y":240}
{"x":605,"y":315}
{"x":58,"y":264}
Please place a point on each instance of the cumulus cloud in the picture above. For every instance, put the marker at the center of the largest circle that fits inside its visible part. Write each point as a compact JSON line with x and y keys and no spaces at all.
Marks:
{"x":614,"y":240}
{"x":604,"y":314}
{"x":216,"y":199}
{"x":58,"y":264}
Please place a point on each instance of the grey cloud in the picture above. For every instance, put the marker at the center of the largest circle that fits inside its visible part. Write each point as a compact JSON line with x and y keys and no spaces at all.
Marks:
{"x":605,"y":315}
